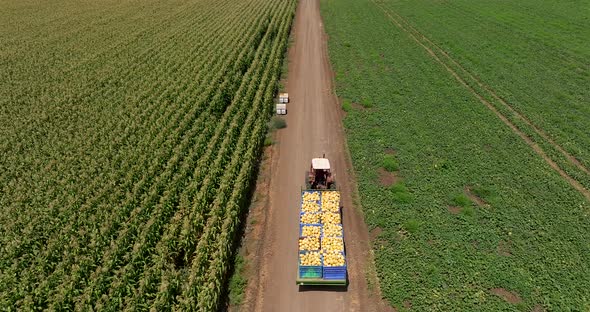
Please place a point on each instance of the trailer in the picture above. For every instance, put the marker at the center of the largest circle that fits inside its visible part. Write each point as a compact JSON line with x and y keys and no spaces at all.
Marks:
{"x":322,"y":255}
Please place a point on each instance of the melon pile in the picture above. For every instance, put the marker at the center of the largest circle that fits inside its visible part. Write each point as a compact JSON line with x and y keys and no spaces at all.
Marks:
{"x":321,"y":241}
{"x":313,"y":258}
{"x":334,"y":258}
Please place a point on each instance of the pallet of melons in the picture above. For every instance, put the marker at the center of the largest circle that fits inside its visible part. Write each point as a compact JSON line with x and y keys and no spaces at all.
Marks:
{"x":310,"y":230}
{"x":310,"y":206}
{"x":331,"y":201}
{"x":332,"y":244}
{"x":333,"y":258}
{"x":333,"y":196}
{"x":331,"y":217}
{"x":308,"y":196}
{"x":309,"y":243}
{"x":330,"y":206}
{"x":332,"y":230}
{"x":309,"y":218}
{"x":310,"y":258}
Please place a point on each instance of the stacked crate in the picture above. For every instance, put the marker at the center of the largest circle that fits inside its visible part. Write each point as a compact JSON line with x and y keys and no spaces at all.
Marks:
{"x":310,"y":231}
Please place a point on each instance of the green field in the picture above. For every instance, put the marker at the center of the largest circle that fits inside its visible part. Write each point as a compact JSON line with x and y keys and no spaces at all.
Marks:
{"x":472,"y":218}
{"x":130,"y":132}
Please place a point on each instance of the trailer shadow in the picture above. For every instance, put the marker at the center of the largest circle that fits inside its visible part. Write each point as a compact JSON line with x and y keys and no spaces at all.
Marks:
{"x":330,"y":288}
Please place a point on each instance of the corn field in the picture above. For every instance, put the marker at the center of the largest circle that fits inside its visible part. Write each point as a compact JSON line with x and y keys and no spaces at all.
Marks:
{"x":129,"y":136}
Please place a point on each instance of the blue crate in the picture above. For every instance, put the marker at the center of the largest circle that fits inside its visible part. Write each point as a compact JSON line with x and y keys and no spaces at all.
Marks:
{"x":301,"y":207}
{"x":341,"y":226}
{"x":319,"y":201}
{"x":311,"y":192}
{"x":301,"y":225}
{"x":336,"y":211}
{"x":335,"y":272}
{"x":301,"y":237}
{"x":333,"y":213}
{"x":343,"y":243}
{"x":308,"y":271}
{"x":339,"y":211}
{"x":316,"y":213}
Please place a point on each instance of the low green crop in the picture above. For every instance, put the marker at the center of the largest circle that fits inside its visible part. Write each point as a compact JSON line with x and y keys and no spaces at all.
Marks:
{"x":529,"y":236}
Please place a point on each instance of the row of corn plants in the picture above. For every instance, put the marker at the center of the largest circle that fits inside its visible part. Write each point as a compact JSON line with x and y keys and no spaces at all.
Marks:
{"x":119,"y":229}
{"x":114,"y":265}
{"x":143,"y":249}
{"x":60,"y":200}
{"x":195,"y":146}
{"x":159,"y":139}
{"x":209,"y":288}
{"x":95,"y":183}
{"x":169,"y":246}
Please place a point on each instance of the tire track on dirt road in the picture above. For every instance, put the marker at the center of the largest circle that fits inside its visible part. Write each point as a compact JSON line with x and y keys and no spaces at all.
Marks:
{"x":414,"y":34}
{"x":314,"y":127}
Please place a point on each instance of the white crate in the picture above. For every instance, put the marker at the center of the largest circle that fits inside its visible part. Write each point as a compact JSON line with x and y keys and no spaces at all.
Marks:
{"x":284,"y":98}
{"x":281,"y":109}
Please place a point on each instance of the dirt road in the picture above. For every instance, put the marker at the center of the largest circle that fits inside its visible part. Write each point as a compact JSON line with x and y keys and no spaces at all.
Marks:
{"x":313,"y":128}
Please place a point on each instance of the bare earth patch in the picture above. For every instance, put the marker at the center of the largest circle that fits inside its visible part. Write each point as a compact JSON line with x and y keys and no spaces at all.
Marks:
{"x":390,"y":151}
{"x":476,"y":199}
{"x":390,"y":309}
{"x":454,"y":209}
{"x":387,"y":178}
{"x":374,"y":233}
{"x":407,"y":304}
{"x":504,"y":249}
{"x":509,"y":296}
{"x":358,"y":106}
{"x":538,"y":308}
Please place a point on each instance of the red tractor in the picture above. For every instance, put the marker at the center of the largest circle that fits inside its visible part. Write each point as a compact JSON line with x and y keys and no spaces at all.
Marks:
{"x":319,"y":176}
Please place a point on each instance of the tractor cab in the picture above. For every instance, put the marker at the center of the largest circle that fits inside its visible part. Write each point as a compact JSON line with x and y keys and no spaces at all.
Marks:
{"x":319,"y":176}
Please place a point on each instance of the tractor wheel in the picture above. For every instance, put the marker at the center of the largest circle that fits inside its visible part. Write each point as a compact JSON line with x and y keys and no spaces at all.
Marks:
{"x":333,"y":186}
{"x":306,"y":181}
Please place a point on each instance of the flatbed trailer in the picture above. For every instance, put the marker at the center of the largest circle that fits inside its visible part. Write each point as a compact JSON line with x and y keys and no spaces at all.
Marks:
{"x":321,"y":274}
